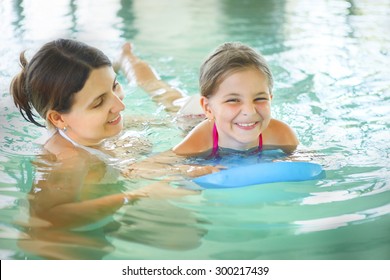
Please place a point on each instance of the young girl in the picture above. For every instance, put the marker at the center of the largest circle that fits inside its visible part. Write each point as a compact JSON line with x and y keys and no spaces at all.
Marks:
{"x":236,"y":93}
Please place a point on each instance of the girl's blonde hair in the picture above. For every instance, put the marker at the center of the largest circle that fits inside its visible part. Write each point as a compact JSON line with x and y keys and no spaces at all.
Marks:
{"x":227,"y":59}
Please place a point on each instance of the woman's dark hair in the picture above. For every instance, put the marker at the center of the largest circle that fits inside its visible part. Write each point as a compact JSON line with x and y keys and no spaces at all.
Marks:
{"x":53,"y":76}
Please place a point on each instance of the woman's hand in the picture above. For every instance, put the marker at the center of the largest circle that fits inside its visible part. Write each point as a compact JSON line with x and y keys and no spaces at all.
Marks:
{"x":161,"y":189}
{"x":196,"y":170}
{"x":156,"y":170}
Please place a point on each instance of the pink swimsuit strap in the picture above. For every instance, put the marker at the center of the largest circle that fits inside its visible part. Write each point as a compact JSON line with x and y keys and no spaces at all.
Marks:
{"x":215,"y":142}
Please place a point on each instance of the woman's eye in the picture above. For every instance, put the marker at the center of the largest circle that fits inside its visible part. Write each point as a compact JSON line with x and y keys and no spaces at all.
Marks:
{"x":261,"y":99}
{"x":98,"y":103}
{"x":116,"y":86}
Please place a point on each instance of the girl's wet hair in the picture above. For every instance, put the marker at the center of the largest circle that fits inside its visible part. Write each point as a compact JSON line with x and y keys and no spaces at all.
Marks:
{"x":53,"y":76}
{"x":227,"y":59}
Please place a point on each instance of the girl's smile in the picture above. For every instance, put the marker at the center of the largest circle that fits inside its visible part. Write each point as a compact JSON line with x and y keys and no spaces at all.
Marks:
{"x":247,"y":126}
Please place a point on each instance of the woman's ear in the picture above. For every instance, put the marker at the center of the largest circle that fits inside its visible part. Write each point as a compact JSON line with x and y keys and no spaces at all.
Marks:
{"x":56,"y":119}
{"x":205,"y":104}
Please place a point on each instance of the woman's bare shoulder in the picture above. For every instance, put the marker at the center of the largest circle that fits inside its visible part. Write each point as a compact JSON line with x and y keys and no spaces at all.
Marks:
{"x":198,"y":140}
{"x":62,"y":149}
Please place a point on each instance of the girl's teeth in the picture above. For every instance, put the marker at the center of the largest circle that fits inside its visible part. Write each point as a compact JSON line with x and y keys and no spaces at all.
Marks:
{"x":246,"y":124}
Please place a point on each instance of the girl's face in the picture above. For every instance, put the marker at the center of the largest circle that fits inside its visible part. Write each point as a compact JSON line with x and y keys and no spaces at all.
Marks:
{"x":95,"y":114}
{"x":241,"y":109}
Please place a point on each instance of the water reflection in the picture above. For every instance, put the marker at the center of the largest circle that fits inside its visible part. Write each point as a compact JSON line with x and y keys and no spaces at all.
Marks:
{"x":159,"y":223}
{"x":255,"y":22}
{"x":127,"y":23}
{"x":70,"y":19}
{"x":19,"y":21}
{"x":341,"y":220}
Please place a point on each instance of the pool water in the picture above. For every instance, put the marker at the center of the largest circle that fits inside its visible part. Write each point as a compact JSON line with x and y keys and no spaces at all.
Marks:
{"x":330,"y":62}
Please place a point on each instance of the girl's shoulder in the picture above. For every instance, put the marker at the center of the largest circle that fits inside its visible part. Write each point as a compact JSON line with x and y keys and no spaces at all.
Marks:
{"x":280,"y":134}
{"x":198,"y":140}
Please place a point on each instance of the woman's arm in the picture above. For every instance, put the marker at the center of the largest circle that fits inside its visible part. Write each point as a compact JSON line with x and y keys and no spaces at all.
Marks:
{"x":76,"y":214}
{"x":165,"y":165}
{"x":139,"y":72}
{"x":64,"y":194}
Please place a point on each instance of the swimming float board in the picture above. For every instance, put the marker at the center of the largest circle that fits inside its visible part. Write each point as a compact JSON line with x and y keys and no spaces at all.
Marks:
{"x":261,"y":173}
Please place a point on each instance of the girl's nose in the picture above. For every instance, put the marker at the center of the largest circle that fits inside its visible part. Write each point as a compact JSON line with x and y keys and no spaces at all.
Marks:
{"x":248,"y":109}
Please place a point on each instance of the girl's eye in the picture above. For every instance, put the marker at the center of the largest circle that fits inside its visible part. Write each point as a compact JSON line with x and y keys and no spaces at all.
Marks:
{"x":233,"y":100}
{"x":263,"y":98}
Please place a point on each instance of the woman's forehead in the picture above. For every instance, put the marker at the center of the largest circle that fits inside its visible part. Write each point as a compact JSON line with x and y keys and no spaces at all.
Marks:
{"x":99,"y":80}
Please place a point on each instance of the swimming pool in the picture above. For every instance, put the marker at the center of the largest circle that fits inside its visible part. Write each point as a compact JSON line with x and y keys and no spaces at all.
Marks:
{"x":330,"y":64}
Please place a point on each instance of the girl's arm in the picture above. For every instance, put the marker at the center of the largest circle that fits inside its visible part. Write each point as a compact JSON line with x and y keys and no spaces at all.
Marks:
{"x":278,"y":135}
{"x":198,"y":141}
{"x":139,"y":72}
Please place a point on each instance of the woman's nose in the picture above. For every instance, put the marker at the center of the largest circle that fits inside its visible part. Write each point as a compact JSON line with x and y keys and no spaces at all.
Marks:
{"x":121,"y":95}
{"x":117,"y":105}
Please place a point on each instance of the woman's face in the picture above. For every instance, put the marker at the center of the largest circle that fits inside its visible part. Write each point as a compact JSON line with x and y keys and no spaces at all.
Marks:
{"x":95,"y":114}
{"x":241,"y":108}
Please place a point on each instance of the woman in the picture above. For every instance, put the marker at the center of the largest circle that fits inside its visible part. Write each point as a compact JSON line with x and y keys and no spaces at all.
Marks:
{"x":75,"y":192}
{"x":73,"y":87}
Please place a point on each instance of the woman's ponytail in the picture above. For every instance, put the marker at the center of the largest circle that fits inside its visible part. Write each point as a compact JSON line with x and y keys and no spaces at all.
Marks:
{"x":20,"y":93}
